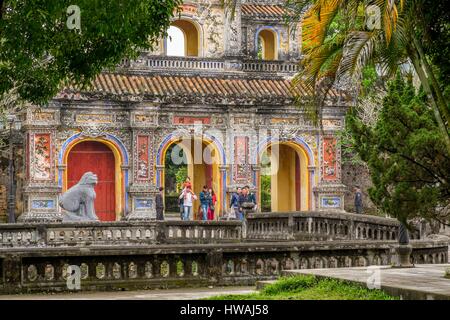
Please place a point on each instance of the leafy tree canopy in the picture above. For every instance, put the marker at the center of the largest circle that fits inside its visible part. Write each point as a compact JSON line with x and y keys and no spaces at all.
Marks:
{"x":341,"y":37}
{"x":405,"y":153}
{"x":39,"y":53}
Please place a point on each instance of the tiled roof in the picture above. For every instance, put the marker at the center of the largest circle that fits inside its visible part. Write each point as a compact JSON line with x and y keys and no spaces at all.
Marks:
{"x":263,"y":11}
{"x":116,"y":85}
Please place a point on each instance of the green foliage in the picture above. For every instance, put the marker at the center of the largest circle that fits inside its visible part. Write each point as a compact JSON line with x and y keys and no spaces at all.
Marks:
{"x":290,"y":284}
{"x":260,"y":49}
{"x":39,"y":53}
{"x":435,"y":23}
{"x":338,"y":45}
{"x":308,"y":287}
{"x":265,"y":193}
{"x":171,"y":202}
{"x":405,"y":153}
{"x":369,"y":79}
{"x":175,"y":174}
{"x":180,"y":176}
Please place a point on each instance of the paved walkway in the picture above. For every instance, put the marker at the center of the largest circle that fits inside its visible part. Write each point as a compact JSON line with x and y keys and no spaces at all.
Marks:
{"x":420,"y":282}
{"x":159,"y":294}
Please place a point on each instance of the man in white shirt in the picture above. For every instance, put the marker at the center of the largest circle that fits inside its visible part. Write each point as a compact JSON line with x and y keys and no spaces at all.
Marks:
{"x":188,"y":197}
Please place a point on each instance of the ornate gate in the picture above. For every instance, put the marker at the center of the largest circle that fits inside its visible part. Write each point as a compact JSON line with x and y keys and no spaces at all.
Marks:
{"x":98,"y":158}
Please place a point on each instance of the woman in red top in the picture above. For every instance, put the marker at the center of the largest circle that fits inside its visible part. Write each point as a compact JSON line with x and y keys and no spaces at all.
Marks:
{"x":212,"y":205}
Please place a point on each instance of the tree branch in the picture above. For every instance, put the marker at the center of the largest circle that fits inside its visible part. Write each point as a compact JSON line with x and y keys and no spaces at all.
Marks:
{"x":440,"y":118}
{"x":415,"y":162}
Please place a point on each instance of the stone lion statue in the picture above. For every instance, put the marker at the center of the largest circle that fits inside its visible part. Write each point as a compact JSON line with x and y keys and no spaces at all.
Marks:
{"x":78,"y":201}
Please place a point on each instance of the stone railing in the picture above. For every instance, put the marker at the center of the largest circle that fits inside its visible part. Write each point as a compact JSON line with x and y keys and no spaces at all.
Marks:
{"x":269,"y":66}
{"x":174,"y":265}
{"x":301,"y":226}
{"x":200,"y":232}
{"x":118,"y":233}
{"x":322,"y":226}
{"x":186,"y":64}
{"x":127,"y":255}
{"x":152,"y":63}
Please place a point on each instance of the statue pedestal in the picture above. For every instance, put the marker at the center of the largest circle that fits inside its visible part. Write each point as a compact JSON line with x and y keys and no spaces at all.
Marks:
{"x":41,"y":205}
{"x":142,"y":203}
{"x":247,"y":208}
{"x":329,"y":197}
{"x":404,"y":256}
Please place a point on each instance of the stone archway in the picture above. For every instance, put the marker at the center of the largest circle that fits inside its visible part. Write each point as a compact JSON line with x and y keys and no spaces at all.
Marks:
{"x":106,"y":156}
{"x":287,"y":166}
{"x":204,"y":157}
{"x":267,"y":44}
{"x":98,"y":158}
{"x":191,"y":37}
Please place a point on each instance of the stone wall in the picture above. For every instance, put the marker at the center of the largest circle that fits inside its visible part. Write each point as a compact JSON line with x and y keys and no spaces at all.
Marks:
{"x":303,"y":226}
{"x":130,"y":255}
{"x":357,"y":175}
{"x":4,"y":180}
{"x":178,"y":265}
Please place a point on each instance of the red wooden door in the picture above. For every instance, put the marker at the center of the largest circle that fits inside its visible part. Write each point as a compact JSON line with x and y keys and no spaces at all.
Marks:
{"x":98,"y":158}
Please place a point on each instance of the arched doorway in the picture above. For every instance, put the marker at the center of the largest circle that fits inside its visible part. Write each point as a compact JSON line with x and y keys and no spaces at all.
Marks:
{"x":183,"y":39}
{"x":285,"y":179}
{"x":197,"y":159}
{"x":267,"y":45}
{"x":98,"y":158}
{"x":176,"y":42}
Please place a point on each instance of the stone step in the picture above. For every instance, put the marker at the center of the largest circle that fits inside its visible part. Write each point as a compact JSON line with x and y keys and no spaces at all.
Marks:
{"x":263,"y":283}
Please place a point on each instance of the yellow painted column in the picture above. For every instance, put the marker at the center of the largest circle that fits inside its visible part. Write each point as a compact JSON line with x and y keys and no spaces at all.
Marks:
{"x":274,"y":165}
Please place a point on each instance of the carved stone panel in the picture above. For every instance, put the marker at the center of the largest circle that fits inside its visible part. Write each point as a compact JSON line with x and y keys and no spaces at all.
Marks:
{"x":329,"y":159}
{"x":241,"y":158}
{"x":143,"y":160}
{"x":93,"y":118}
{"x":188,"y":120}
{"x":41,"y":163}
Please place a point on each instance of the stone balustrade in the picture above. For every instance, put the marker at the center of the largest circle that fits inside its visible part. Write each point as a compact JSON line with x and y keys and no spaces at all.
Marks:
{"x":193,"y":64}
{"x":172,"y":63}
{"x":198,"y":232}
{"x":174,"y":265}
{"x":302,"y":226}
{"x":270,"y":66}
{"x":155,"y":254}
{"x":322,"y":226}
{"x":118,"y":233}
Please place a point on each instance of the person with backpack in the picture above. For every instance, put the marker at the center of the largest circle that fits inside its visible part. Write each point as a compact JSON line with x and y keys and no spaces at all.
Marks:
{"x":204,"y":202}
{"x":234,"y":204}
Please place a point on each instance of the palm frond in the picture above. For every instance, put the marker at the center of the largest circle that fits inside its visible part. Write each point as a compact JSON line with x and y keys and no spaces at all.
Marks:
{"x":311,"y":86}
{"x":317,"y":20}
{"x":359,"y":50}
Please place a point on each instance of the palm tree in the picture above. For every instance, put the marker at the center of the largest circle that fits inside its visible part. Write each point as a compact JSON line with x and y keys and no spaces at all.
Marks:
{"x":337,"y":46}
